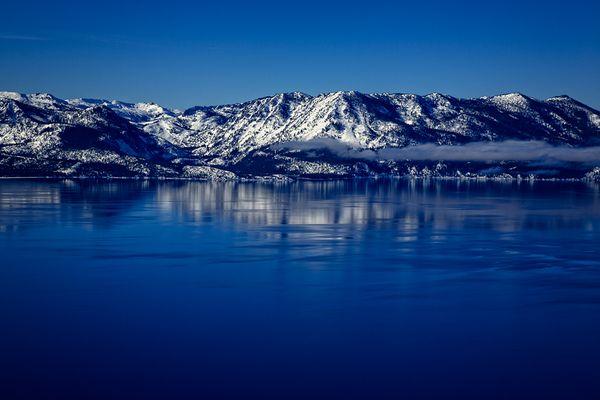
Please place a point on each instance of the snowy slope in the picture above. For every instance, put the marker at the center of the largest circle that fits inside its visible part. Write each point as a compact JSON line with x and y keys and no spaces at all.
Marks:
{"x":375,"y":121}
{"x":149,"y":138}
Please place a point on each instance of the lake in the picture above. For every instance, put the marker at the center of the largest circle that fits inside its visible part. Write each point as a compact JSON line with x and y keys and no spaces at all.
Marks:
{"x":315,"y":289}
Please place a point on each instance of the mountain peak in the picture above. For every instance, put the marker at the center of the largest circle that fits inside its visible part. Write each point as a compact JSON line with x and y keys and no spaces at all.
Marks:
{"x":440,"y":98}
{"x":562,"y":97}
{"x":12,"y":96}
{"x":295,"y":95}
{"x":512,"y":96}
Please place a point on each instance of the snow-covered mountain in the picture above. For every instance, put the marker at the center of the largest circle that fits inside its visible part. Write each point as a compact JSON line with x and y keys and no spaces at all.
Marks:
{"x":333,"y":134}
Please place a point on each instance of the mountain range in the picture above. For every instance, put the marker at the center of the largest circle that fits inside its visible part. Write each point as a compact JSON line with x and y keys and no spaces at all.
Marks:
{"x":332,"y":135}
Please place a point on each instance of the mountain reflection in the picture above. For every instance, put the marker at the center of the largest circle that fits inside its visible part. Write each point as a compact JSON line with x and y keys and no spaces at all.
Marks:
{"x":403,"y":205}
{"x":400,"y":204}
{"x":95,"y":203}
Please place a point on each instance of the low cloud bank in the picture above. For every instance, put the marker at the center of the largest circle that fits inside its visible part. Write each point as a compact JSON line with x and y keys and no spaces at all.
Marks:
{"x":510,"y":150}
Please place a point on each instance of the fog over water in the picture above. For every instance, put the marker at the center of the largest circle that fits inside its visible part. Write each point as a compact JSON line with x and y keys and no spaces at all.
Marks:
{"x":514,"y":150}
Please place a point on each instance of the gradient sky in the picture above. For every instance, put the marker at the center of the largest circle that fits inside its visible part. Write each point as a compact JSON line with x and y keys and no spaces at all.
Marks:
{"x":181,"y":54}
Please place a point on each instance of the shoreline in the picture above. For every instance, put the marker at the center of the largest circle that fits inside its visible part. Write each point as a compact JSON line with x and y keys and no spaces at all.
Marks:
{"x":295,"y":179}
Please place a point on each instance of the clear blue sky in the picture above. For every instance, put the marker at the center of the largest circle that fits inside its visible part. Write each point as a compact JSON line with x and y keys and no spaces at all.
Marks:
{"x":186,"y":53}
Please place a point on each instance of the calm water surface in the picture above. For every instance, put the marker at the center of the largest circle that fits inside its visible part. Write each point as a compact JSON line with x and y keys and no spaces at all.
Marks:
{"x":355,"y":289}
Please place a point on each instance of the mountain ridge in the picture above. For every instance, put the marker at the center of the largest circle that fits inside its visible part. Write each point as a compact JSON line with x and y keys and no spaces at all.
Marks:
{"x":5,"y":94}
{"x":100,"y":137}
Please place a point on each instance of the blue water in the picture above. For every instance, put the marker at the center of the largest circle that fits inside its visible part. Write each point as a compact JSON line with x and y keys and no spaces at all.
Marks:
{"x":352,"y":289}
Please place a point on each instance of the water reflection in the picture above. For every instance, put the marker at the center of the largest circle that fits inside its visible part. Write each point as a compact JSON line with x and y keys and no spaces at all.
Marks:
{"x":404,"y":205}
{"x":387,"y":224}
